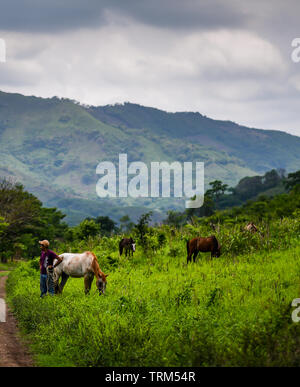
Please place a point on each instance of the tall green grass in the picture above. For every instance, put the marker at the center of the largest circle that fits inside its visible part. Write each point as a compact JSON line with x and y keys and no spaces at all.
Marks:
{"x":158,"y":311}
{"x":8,"y":266}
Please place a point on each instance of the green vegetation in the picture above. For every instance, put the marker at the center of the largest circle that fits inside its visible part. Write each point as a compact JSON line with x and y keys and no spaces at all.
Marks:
{"x":8,"y":266}
{"x":254,"y":198}
{"x":158,"y":311}
{"x":52,"y":146}
{"x":23,"y":220}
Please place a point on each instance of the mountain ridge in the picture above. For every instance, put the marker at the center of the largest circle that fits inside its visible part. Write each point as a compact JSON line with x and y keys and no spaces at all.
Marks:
{"x":53,"y":145}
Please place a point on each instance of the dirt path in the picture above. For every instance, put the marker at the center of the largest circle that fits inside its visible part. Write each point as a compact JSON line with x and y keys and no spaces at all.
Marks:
{"x":12,"y":352}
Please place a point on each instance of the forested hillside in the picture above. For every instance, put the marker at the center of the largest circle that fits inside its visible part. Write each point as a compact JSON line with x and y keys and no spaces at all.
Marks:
{"x":52,"y":146}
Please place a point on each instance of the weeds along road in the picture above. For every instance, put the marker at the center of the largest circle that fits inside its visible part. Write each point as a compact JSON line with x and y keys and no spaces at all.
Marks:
{"x":12,"y":352}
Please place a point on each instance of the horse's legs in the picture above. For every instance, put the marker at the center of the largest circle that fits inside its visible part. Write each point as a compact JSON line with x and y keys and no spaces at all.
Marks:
{"x":195,"y":255}
{"x":189,"y":257}
{"x":56,"y":284}
{"x":64,"y":279}
{"x":88,"y":279}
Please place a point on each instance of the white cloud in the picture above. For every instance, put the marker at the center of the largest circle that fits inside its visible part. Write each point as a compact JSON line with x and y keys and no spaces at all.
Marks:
{"x":225,"y":74}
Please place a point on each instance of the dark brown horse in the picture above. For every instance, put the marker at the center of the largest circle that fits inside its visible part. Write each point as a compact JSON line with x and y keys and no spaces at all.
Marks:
{"x":209,"y":244}
{"x":128,"y":244}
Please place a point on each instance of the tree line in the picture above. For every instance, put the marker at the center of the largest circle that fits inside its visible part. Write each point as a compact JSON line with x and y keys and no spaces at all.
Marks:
{"x":24,"y":221}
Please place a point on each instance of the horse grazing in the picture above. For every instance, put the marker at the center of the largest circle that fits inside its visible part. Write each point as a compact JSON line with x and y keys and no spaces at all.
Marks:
{"x":128,"y":244}
{"x":204,"y":245}
{"x":251,"y":227}
{"x":77,"y":266}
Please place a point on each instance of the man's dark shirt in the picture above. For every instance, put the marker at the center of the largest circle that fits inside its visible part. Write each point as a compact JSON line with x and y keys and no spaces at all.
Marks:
{"x":47,"y":258}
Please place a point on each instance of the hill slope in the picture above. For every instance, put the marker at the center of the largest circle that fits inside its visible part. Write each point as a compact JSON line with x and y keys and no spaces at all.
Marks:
{"x":259,"y":150}
{"x":53,"y":147}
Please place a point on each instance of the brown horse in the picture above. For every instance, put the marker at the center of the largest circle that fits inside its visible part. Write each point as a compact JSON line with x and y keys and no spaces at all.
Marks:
{"x":209,"y":244}
{"x":128,"y":244}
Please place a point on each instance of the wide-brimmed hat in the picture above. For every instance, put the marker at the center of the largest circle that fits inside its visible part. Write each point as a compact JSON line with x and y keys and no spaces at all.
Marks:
{"x":44,"y":243}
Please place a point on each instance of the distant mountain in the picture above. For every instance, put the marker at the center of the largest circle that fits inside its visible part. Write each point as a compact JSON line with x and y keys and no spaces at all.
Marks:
{"x":53,"y":146}
{"x":256,"y":149}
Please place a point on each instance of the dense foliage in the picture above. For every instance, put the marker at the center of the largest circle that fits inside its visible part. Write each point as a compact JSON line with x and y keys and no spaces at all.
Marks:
{"x":266,"y":198}
{"x":23,"y":220}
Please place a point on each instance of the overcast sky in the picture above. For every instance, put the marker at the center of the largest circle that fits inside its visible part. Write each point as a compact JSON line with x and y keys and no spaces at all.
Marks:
{"x":225,"y":59}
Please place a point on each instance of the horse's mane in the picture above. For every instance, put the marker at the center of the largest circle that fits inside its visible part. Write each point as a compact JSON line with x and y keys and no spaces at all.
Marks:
{"x":96,"y":268}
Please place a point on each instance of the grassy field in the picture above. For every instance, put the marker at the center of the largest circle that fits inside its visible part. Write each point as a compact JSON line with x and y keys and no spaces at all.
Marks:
{"x":230,"y":311}
{"x":8,"y":266}
{"x":5,"y":268}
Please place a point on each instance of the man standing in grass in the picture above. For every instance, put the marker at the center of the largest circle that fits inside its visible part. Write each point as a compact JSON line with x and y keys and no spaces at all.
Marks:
{"x":47,"y":268}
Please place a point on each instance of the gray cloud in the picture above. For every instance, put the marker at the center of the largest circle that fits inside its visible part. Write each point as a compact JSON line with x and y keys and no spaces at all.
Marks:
{"x":228,"y":60}
{"x":188,"y":14}
{"x":56,"y":15}
{"x":49,"y":16}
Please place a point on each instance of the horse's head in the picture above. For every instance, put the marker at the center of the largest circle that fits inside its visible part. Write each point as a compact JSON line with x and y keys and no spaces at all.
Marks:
{"x":132,"y":244}
{"x":101,"y":283}
{"x":217,"y":254}
{"x":251,"y":227}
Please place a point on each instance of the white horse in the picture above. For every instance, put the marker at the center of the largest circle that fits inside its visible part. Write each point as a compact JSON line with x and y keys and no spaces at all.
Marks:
{"x":251,"y":227}
{"x":77,"y":266}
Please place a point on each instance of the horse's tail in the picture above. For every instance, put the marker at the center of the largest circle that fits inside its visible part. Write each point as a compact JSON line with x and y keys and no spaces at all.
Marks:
{"x":96,"y":269}
{"x":120,"y":248}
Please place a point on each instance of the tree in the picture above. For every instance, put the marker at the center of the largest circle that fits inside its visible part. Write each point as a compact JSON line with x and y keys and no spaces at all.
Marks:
{"x":258,"y":210}
{"x":26,"y":221}
{"x":249,"y":187}
{"x":217,"y":190}
{"x":208,"y":206}
{"x":271,"y":179}
{"x":126,"y":225}
{"x":175,"y":218}
{"x":141,"y":227}
{"x":3,"y":225}
{"x":107,"y":225}
{"x":87,"y":228}
{"x":292,"y":180}
{"x":21,"y":211}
